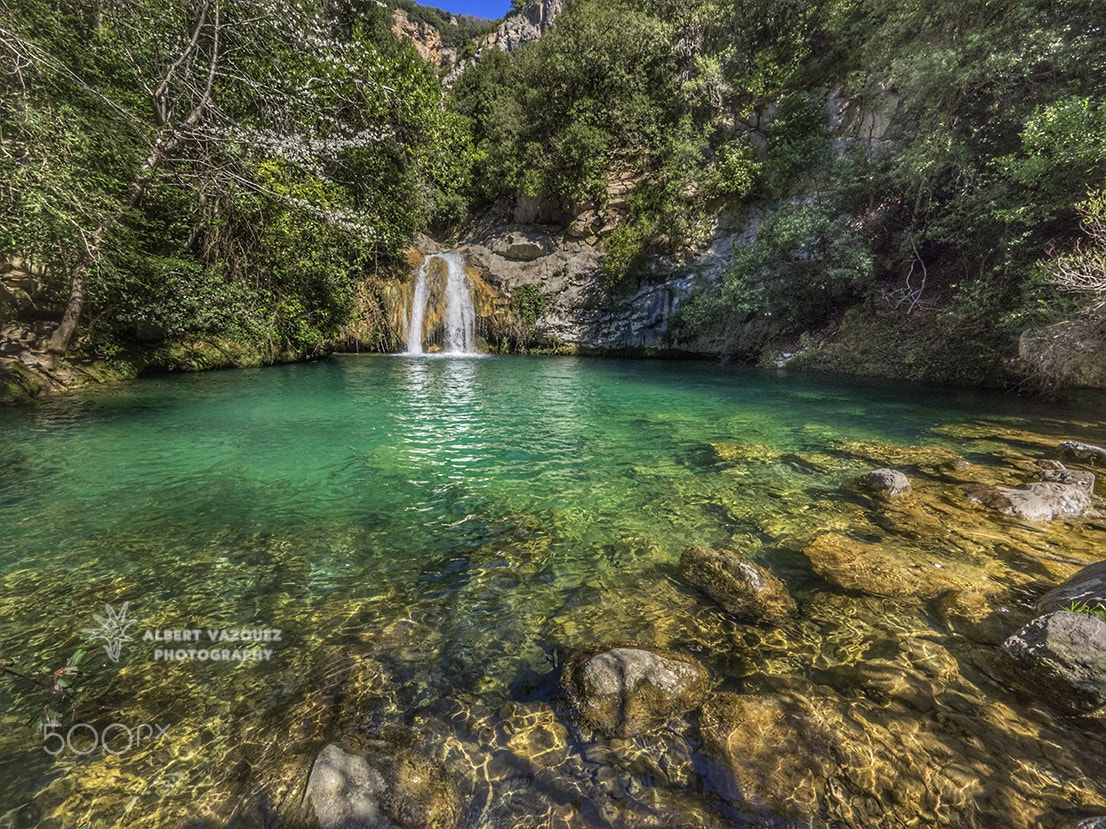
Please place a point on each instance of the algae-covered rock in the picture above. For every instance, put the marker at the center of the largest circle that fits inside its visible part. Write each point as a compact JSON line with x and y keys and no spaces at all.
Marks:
{"x":627,"y":690}
{"x":889,"y":482}
{"x":743,"y":453}
{"x":869,"y":568}
{"x":743,"y":588}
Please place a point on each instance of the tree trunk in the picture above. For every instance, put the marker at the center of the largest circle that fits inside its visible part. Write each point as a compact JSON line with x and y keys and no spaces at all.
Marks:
{"x":59,"y":340}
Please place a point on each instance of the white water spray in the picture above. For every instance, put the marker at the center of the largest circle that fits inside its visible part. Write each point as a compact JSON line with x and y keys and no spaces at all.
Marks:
{"x":459,"y":328}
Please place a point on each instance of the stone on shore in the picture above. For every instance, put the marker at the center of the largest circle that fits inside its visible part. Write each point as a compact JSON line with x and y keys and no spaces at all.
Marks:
{"x":1088,"y":587}
{"x":1042,"y":501}
{"x":1063,"y":655}
{"x":1085,"y":453}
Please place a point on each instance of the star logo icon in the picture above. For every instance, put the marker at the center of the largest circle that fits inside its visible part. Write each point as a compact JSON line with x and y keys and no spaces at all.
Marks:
{"x":113,"y":630}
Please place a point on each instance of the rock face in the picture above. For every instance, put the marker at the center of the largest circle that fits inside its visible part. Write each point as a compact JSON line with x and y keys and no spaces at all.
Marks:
{"x":389,"y":789}
{"x":426,"y":38}
{"x":1034,"y":502}
{"x":625,"y":690}
{"x":522,"y":245}
{"x":579,"y":312}
{"x":743,"y":588}
{"x":1064,"y":655}
{"x":885,"y":482}
{"x":1088,"y":586}
{"x":527,"y":24}
{"x":1073,"y":450}
{"x":1069,"y":353}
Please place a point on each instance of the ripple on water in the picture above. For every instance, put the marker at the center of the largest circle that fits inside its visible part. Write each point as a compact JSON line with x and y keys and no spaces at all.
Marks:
{"x":436,"y":538}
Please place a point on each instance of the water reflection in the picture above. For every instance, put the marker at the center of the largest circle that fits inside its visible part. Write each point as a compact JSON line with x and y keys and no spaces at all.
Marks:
{"x":440,"y":535}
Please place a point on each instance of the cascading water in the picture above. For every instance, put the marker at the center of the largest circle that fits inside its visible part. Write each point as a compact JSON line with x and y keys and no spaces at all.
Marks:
{"x":459,"y":314}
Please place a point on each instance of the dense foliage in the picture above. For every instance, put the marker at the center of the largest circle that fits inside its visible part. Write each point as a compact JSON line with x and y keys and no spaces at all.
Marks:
{"x":223,"y":168}
{"x":230,"y":168}
{"x":998,"y":132}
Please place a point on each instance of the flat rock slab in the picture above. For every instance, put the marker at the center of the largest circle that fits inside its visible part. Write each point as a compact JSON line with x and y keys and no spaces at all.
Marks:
{"x":1063,"y":655}
{"x":1034,"y":502}
{"x":627,"y":690}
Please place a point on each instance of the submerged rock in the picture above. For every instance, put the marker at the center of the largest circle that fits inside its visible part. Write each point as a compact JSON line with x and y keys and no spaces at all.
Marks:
{"x":743,"y":588}
{"x":1034,"y":502}
{"x":885,"y":482}
{"x":868,"y":568}
{"x":1073,"y":450}
{"x":626,"y":690}
{"x":1088,"y":586}
{"x":1063,"y":655}
{"x":388,"y":789}
{"x":975,"y":616}
{"x":766,"y":754}
{"x":744,"y":453}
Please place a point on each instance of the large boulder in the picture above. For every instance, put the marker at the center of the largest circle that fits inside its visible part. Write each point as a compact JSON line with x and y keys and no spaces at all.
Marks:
{"x":385,"y":789}
{"x":522,"y":245}
{"x":1040,"y":501}
{"x":888,"y":482}
{"x":743,"y":588}
{"x":1085,"y":453}
{"x":1063,"y":655}
{"x":1088,"y":587}
{"x":624,"y":691}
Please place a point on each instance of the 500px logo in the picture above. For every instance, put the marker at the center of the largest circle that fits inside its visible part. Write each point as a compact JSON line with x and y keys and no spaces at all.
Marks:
{"x":82,"y":738}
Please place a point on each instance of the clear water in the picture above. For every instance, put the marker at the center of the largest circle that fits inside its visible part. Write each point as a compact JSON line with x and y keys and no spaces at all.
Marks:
{"x":434,"y":537}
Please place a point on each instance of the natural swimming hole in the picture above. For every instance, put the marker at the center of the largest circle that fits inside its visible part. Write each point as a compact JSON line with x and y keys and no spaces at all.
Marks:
{"x":436,"y":538}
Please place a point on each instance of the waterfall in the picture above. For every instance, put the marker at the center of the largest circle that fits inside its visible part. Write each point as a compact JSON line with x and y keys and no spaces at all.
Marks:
{"x":418,"y":310}
{"x":458,"y":317}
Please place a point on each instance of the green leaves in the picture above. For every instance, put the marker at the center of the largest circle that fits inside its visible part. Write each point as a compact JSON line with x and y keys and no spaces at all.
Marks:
{"x":805,"y":264}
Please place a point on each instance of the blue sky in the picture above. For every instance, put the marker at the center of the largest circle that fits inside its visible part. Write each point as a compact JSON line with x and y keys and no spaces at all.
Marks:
{"x":490,"y":9}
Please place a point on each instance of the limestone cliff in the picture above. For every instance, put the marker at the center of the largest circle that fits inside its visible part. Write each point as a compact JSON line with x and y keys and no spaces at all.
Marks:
{"x":579,"y":312}
{"x":426,"y":38}
{"x":529,"y":23}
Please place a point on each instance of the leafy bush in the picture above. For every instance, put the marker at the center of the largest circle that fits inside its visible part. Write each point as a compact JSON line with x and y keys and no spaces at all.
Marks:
{"x":805,"y":265}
